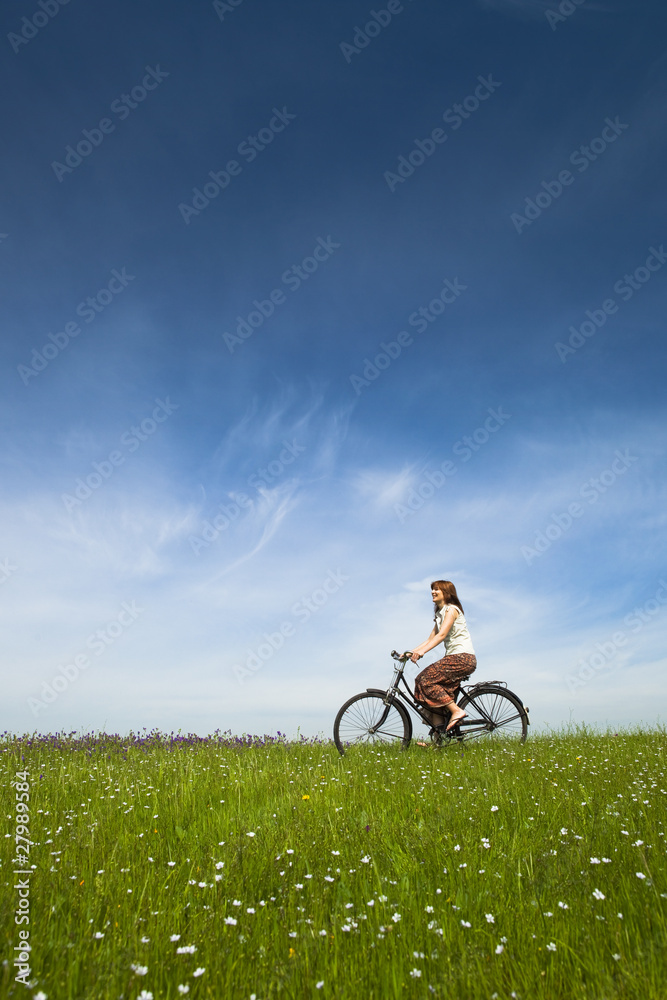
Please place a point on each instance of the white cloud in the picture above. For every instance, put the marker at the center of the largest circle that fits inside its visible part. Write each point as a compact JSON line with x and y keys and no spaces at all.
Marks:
{"x":204,"y":614}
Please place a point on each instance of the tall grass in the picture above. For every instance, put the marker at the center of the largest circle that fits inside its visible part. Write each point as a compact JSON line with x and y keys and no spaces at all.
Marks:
{"x":285,"y":870}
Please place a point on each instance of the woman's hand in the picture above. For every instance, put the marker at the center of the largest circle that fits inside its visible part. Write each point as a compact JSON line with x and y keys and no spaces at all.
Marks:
{"x":416,"y":656}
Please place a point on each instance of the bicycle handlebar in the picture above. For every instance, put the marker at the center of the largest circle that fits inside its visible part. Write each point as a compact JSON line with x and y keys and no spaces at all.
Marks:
{"x":401,"y":656}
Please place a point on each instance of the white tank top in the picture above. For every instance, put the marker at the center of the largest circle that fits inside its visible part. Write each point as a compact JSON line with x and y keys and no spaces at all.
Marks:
{"x":458,"y":638}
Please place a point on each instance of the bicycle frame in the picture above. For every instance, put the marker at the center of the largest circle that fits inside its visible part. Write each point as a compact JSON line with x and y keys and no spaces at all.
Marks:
{"x":394,"y":691}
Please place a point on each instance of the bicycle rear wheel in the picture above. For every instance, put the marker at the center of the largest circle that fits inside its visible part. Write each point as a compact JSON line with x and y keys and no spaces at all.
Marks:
{"x":365,"y":719}
{"x":492,"y":713}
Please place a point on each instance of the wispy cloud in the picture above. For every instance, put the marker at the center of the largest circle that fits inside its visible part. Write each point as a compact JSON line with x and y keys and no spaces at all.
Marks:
{"x":270,"y":511}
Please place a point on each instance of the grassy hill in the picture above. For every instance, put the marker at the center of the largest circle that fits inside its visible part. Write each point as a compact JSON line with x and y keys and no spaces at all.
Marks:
{"x":256,"y":867}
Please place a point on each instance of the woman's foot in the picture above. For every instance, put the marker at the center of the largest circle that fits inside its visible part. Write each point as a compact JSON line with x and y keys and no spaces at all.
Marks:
{"x":455,"y":718}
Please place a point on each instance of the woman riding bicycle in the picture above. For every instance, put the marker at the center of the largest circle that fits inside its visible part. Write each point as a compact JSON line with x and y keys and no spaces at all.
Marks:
{"x":436,"y":686}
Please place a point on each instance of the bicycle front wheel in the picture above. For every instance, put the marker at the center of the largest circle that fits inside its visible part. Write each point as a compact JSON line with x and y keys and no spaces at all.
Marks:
{"x":365,"y":719}
{"x":493,"y":712}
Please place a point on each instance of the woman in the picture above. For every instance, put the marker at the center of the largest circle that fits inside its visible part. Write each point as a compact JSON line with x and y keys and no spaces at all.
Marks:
{"x":437,"y":685}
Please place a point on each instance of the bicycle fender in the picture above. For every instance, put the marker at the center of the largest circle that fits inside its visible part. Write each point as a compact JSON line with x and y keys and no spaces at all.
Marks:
{"x":507,"y":691}
{"x":526,"y":710}
{"x":380,"y":691}
{"x":393,"y":701}
{"x":517,"y":698}
{"x":471,"y":691}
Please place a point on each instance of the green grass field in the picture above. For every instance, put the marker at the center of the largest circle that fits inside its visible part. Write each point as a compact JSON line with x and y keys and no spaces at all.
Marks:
{"x":240,"y":868}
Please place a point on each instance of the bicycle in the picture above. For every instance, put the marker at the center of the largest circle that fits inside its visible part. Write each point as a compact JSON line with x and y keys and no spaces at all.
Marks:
{"x":376,"y":716}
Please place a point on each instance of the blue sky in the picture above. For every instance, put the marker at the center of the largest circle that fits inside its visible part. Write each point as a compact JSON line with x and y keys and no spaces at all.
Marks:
{"x":223,"y":413}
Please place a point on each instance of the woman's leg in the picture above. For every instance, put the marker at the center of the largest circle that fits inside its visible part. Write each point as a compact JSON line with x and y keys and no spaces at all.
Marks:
{"x":438,"y":683}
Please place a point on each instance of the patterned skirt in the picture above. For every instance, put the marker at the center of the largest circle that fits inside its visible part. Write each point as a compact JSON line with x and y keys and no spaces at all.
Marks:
{"x":438,"y":684}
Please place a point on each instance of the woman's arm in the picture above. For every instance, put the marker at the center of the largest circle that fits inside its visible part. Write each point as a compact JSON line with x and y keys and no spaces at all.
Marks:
{"x":433,"y":640}
{"x":422,"y":647}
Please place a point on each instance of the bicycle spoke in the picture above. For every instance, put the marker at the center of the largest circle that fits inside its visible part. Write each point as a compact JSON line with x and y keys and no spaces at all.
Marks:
{"x":493,"y":713}
{"x":366,"y":719}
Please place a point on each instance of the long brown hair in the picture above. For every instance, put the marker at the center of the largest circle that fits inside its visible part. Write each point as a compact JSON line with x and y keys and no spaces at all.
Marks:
{"x":448,"y":591}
